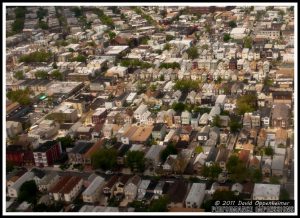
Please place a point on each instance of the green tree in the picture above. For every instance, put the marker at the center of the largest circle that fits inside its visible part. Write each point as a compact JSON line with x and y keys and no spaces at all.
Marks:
{"x":41,"y":13}
{"x":105,"y":159}
{"x":255,"y":175}
{"x":123,"y":17}
{"x":205,"y":46}
{"x":236,"y":169}
{"x":159,"y":205}
{"x":57,"y":75}
{"x":232,"y":24}
{"x":54,"y":65}
{"x":40,"y":74}
{"x":226,"y":37}
{"x":186,"y":85}
{"x":135,"y":160}
{"x":136,"y":64}
{"x":163,"y":13}
{"x":274,"y":180}
{"x":169,"y":37}
{"x":162,"y":77}
{"x":167,"y":46}
{"x":106,"y":20}
{"x":211,"y":171}
{"x":144,"y":40}
{"x":111,"y":35}
{"x":18,"y":24}
{"x":284,"y":195}
{"x":269,"y":151}
{"x":19,"y":75}
{"x":198,"y":149}
{"x":192,"y":52}
{"x":20,"y":96}
{"x":28,"y":192}
{"x":246,"y":103}
{"x":77,"y":11}
{"x":268,"y":82}
{"x":80,"y":58}
{"x":37,"y":56}
{"x":170,"y":149}
{"x":248,"y":42}
{"x":170,"y":65}
{"x":141,"y":88}
{"x":20,"y":12}
{"x":66,"y":142}
{"x":235,"y":124}
{"x":153,"y":88}
{"x":43,"y":25}
{"x":232,"y":162}
{"x":178,"y":106}
{"x":216,"y":121}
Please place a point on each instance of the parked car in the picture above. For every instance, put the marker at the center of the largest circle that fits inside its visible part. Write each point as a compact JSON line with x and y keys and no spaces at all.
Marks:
{"x":108,"y":172}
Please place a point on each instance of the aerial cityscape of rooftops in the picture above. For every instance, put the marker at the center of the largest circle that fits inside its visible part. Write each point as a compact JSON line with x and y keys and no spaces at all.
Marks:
{"x":148,"y":108}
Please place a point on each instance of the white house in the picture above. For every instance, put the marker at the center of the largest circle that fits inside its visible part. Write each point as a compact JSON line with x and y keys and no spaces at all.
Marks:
{"x":238,"y":33}
{"x":47,"y":182}
{"x":143,"y":187}
{"x":131,"y":188}
{"x":195,"y":196}
{"x":266,"y":191}
{"x":13,"y":190}
{"x":92,"y":192}
{"x":185,"y":118}
{"x":137,"y":114}
{"x":13,"y":128}
{"x":220,"y":100}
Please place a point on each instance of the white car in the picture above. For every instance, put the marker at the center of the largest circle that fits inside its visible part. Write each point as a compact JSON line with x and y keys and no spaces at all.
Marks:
{"x":108,"y":172}
{"x":201,"y":177}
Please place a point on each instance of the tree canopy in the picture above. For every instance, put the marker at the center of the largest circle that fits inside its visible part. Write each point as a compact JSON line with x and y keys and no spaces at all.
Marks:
{"x":216,"y":121}
{"x":40,"y":74}
{"x":235,"y":124}
{"x":105,"y":159}
{"x":136,"y":64}
{"x":77,"y":11}
{"x":169,"y":37}
{"x":41,"y":13}
{"x":246,"y":103}
{"x":135,"y":160}
{"x":269,"y":151}
{"x":170,"y":149}
{"x":178,"y":106}
{"x":248,"y":42}
{"x":159,"y":205}
{"x":106,"y":20}
{"x":236,"y":169}
{"x":192,"y":52}
{"x":37,"y":56}
{"x":211,"y":171}
{"x":226,"y":37}
{"x":28,"y":192}
{"x":20,"y":96}
{"x":18,"y":24}
{"x":170,"y":65}
{"x":56,"y":74}
{"x":19,"y":75}
{"x":232,"y":24}
{"x":66,"y":142}
{"x":186,"y":85}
